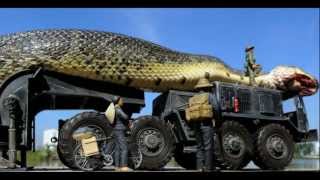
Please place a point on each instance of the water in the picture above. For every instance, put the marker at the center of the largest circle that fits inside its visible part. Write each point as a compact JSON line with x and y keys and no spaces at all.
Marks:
{"x":296,"y":164}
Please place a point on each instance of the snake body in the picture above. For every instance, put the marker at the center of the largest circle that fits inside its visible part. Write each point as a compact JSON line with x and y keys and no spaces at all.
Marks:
{"x":114,"y":58}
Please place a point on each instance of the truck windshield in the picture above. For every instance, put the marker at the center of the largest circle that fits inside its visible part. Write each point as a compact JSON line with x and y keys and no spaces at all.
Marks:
{"x":288,"y":105}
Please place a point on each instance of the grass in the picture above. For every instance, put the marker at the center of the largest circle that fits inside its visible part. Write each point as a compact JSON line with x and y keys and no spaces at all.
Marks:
{"x":42,"y":157}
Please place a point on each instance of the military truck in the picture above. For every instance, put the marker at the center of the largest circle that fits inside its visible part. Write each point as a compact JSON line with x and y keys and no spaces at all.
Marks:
{"x":250,"y":124}
{"x":255,"y":128}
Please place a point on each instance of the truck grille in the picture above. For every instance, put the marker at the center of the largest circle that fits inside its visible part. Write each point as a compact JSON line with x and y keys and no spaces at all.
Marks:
{"x":269,"y":103}
{"x":266,"y":104}
{"x":227,"y":94}
{"x":244,"y":100}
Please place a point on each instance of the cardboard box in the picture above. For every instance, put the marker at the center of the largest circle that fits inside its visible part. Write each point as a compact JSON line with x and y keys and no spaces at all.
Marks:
{"x":90,"y":146}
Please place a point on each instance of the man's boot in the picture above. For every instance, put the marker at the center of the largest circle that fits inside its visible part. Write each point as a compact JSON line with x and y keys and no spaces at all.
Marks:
{"x":125,"y":169}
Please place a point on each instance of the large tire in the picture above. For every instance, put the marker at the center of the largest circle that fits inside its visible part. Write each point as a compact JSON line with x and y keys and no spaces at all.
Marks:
{"x":274,"y":147}
{"x":233,"y":148}
{"x":185,"y":160}
{"x":155,"y":140}
{"x":63,"y":161}
{"x":67,"y":145}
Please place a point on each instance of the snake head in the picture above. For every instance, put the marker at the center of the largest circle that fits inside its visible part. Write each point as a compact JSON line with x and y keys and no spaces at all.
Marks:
{"x":294,"y":80}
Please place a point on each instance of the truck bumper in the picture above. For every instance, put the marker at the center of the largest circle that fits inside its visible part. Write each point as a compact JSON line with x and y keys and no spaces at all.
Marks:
{"x":311,"y":135}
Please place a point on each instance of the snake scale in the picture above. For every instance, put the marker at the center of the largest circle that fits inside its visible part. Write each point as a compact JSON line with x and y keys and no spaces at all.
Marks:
{"x":130,"y":61}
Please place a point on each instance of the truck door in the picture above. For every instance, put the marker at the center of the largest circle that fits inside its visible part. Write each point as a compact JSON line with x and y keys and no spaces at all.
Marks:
{"x":302,"y":120}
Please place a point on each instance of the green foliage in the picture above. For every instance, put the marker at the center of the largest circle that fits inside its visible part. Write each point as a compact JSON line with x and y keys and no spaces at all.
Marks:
{"x":303,"y":149}
{"x":43,"y":157}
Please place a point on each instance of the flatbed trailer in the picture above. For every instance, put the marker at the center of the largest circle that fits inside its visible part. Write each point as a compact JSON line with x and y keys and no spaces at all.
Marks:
{"x":26,"y":93}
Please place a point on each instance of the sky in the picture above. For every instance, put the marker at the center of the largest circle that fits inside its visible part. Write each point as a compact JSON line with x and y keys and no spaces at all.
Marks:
{"x":280,"y":36}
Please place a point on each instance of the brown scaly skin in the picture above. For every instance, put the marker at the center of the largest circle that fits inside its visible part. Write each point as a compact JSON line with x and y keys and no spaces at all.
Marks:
{"x":130,"y":61}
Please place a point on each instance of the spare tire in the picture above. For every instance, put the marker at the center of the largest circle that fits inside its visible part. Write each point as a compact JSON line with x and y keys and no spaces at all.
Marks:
{"x":155,"y":141}
{"x":64,"y":161}
{"x":66,"y":143}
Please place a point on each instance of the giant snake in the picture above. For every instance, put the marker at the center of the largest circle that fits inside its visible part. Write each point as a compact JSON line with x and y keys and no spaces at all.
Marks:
{"x":130,"y":61}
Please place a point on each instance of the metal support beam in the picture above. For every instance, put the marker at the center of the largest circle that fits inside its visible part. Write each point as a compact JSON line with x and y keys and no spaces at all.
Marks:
{"x":13,"y":107}
{"x":12,"y":144}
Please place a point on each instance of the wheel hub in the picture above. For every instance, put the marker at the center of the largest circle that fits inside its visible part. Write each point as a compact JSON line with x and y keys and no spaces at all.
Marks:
{"x":233,"y":145}
{"x":276,"y":147}
{"x":151,"y":141}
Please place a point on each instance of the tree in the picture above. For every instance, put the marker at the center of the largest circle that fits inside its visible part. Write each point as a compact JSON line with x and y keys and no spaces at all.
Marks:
{"x":303,"y":149}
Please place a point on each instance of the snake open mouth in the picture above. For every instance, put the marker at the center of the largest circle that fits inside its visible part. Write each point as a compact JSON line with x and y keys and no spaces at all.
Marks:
{"x":302,"y":84}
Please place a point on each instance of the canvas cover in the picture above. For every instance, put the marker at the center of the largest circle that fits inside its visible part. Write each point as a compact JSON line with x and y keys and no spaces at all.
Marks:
{"x":199,"y":108}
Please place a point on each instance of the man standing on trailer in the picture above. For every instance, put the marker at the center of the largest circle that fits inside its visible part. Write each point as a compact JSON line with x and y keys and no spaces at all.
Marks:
{"x":204,"y":131}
